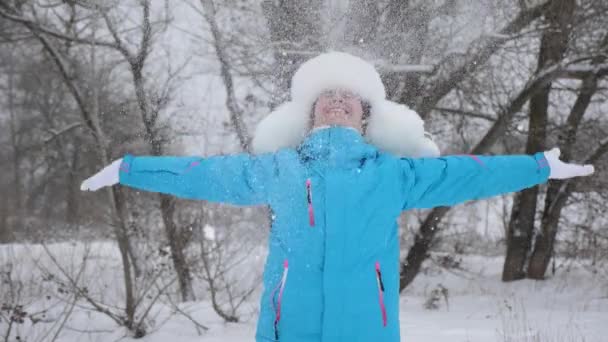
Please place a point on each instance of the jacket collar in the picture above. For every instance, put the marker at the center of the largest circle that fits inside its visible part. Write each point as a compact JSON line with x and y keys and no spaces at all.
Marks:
{"x":336,"y":146}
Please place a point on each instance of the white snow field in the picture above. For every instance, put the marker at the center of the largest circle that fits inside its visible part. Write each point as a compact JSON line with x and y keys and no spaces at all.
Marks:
{"x":571,"y":306}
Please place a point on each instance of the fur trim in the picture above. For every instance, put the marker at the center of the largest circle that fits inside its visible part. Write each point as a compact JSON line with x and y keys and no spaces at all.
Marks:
{"x":392,"y":127}
{"x":335,"y":70}
{"x":286,"y":126}
{"x":399,"y":130}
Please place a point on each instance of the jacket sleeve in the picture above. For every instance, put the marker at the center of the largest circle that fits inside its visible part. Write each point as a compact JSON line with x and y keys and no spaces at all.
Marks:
{"x":239,"y":179}
{"x":447,"y":181}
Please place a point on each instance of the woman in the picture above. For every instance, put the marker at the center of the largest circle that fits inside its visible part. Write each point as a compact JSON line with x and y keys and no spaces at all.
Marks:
{"x":336,"y":181}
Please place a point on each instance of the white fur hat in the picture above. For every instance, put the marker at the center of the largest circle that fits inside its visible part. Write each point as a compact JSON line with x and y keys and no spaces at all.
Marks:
{"x":391,"y":127}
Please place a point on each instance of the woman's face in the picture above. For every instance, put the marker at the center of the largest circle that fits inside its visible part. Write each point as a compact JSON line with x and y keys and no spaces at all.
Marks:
{"x":338,"y":107}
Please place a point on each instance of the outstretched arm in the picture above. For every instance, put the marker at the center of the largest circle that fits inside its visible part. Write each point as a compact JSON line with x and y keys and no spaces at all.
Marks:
{"x":447,"y":181}
{"x":238,"y":179}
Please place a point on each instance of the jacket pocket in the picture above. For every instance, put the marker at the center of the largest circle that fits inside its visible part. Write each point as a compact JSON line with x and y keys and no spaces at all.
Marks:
{"x":276,"y":298}
{"x":380,"y":293}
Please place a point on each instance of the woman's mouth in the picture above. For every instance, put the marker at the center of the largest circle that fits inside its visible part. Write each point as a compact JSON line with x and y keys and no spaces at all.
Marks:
{"x":337,"y":110}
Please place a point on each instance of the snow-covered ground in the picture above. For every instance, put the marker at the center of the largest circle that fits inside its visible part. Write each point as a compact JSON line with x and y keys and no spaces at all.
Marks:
{"x":572,"y":306}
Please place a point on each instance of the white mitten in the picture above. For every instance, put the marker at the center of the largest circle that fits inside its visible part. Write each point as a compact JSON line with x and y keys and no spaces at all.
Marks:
{"x":108,"y":176}
{"x":561,"y":170}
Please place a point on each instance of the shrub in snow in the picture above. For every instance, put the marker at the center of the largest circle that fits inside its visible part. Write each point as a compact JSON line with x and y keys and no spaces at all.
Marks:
{"x":434,"y":299}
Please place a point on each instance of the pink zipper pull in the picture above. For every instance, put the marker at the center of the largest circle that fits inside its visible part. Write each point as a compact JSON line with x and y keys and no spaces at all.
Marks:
{"x":311,"y":212}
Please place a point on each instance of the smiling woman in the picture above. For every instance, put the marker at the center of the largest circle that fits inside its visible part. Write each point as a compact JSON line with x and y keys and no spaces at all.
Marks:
{"x":332,"y":270}
{"x":341,"y":81}
{"x":338,"y":107}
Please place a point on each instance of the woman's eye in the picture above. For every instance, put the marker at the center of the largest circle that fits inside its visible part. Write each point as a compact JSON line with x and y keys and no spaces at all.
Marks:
{"x":338,"y":93}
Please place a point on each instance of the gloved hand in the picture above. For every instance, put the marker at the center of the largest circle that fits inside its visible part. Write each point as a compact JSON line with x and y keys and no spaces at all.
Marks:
{"x":108,"y":176}
{"x":561,"y":170}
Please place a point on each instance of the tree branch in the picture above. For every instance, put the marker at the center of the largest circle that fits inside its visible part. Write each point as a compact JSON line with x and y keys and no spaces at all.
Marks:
{"x":63,"y":70}
{"x":144,"y":45}
{"x":484,"y":116}
{"x":483,"y":48}
{"x":34,"y":26}
{"x":118,"y":43}
{"x":236,"y":114}
{"x":536,"y":83}
{"x":55,"y":134}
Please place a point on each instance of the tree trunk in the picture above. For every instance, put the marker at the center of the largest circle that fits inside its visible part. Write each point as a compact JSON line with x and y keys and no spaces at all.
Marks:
{"x":419,"y":251}
{"x":116,"y":198}
{"x":6,"y":234}
{"x":519,"y":234}
{"x":556,"y":196}
{"x":236,"y":114}
{"x":177,"y":242}
{"x":149,"y":115}
{"x":554,"y":42}
{"x":18,"y":202}
{"x":167,"y":203}
{"x":521,"y":225}
{"x":72,"y":205}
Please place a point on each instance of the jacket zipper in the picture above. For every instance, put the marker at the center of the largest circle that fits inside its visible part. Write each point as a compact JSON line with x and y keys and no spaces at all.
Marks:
{"x":277,"y":306}
{"x":380,"y":293}
{"x":311,"y":211}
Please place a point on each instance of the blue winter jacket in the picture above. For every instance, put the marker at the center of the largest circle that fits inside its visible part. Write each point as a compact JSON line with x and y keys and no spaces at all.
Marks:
{"x":332,"y":273}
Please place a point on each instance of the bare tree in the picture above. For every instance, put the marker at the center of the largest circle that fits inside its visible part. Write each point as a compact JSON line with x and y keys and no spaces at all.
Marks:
{"x":150,"y":105}
{"x":559,"y":191}
{"x":89,"y":112}
{"x":236,"y":114}
{"x":553,"y":45}
{"x":150,"y":109}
